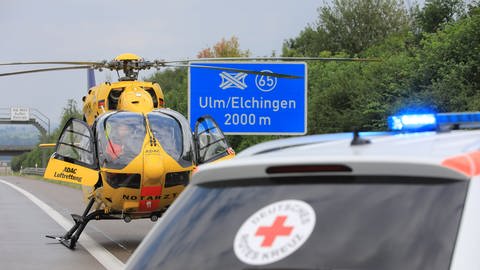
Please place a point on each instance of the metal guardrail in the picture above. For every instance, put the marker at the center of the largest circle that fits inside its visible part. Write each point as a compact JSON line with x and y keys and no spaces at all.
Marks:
{"x":33,"y":171}
{"x":5,"y":169}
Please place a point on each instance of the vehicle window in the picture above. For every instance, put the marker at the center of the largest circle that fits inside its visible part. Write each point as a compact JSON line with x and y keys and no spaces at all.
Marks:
{"x":75,"y":144}
{"x":363,"y":223}
{"x":120,"y":138}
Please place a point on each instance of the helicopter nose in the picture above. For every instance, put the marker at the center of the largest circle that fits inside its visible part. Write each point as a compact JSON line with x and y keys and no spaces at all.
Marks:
{"x":153,"y":168}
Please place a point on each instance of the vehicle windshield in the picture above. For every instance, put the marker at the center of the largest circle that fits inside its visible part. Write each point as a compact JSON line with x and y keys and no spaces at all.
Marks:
{"x":172,"y":131}
{"x":168,"y":132}
{"x":373,"y":223}
{"x":120,"y":138}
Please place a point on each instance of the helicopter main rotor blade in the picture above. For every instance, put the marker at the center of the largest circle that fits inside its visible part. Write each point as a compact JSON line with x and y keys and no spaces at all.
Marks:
{"x":43,"y":69}
{"x":326,"y":59}
{"x":271,"y":74}
{"x":51,"y":63}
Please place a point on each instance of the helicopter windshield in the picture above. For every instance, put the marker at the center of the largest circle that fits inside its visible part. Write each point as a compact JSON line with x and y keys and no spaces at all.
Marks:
{"x":120,"y":138}
{"x":172,"y":131}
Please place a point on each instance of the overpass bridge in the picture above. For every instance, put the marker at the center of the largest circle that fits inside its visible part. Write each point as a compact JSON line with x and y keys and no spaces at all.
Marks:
{"x":24,"y":116}
{"x":15,"y":150}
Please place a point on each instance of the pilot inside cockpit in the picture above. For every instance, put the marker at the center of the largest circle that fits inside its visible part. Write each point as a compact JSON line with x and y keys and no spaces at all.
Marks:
{"x":121,"y":136}
{"x":117,"y":143}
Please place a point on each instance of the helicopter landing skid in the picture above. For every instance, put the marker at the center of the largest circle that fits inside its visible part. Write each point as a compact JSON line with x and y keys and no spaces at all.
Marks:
{"x":70,"y":238}
{"x":66,"y":242}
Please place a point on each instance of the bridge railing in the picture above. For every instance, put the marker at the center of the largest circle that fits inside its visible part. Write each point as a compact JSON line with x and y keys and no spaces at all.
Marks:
{"x":33,"y":171}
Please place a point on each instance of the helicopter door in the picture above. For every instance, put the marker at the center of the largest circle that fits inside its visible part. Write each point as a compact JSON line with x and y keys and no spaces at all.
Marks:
{"x":74,"y":158}
{"x":210,"y":143}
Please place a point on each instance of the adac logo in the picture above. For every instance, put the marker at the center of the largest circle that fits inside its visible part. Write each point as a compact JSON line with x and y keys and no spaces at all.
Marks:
{"x":152,"y":151}
{"x":70,"y":170}
{"x":274,"y":232}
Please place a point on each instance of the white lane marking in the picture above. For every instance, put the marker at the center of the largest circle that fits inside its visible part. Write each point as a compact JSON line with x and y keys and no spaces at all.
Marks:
{"x":102,"y":255}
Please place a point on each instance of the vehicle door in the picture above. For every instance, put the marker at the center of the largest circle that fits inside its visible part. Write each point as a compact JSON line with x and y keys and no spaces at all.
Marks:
{"x":74,"y":159}
{"x":210,"y":142}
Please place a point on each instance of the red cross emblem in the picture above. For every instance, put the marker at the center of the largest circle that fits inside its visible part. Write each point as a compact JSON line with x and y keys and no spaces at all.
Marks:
{"x":270,"y":233}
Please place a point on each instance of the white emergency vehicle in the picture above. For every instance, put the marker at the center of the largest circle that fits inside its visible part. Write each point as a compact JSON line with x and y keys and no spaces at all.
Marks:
{"x":372,"y":201}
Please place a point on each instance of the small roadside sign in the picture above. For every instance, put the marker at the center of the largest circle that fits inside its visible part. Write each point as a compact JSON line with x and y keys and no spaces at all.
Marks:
{"x":19,"y":114}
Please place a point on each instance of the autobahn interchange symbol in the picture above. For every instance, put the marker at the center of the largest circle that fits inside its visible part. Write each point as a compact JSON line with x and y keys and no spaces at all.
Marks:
{"x":233,"y":80}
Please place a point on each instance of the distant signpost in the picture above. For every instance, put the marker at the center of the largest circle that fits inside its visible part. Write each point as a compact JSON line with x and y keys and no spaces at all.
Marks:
{"x":19,"y":114}
{"x":244,"y":103}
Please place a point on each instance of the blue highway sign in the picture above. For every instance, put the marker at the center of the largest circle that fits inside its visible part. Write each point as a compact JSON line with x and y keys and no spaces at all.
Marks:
{"x":244,"y":103}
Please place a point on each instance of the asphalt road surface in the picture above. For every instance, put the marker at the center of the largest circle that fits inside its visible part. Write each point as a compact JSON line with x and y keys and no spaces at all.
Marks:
{"x":31,"y":209}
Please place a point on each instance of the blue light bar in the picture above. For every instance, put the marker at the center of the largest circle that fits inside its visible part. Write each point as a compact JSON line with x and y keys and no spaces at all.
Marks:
{"x":425,"y":122}
{"x":465,"y":118}
{"x":412,"y":122}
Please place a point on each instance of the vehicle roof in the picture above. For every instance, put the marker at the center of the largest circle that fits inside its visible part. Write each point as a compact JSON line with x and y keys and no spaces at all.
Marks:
{"x":428,"y":154}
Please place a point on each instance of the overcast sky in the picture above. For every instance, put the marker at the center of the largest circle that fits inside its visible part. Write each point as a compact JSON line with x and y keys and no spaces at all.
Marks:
{"x":94,"y":30}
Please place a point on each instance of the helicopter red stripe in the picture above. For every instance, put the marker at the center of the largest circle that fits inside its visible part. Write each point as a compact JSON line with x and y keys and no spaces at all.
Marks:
{"x":150,"y":198}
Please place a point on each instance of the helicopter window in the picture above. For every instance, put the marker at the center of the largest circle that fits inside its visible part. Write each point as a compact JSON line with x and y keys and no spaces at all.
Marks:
{"x":113,"y":98}
{"x":154,"y":96}
{"x":173,"y":132}
{"x":120,"y":139}
{"x":212,"y":143}
{"x":75,"y":144}
{"x":168,"y":132}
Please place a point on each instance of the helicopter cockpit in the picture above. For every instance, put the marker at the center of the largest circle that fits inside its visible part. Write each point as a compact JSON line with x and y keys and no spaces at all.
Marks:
{"x":121,"y":136}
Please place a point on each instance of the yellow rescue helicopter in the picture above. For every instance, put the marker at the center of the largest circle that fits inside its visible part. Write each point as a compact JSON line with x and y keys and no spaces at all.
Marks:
{"x":131,"y":155}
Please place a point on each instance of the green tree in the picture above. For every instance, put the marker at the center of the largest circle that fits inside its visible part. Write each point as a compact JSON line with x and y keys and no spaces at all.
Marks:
{"x":224,"y":48}
{"x":174,"y":84}
{"x":450,"y":60}
{"x":349,"y":26}
{"x":437,"y":13}
{"x":16,"y":162}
